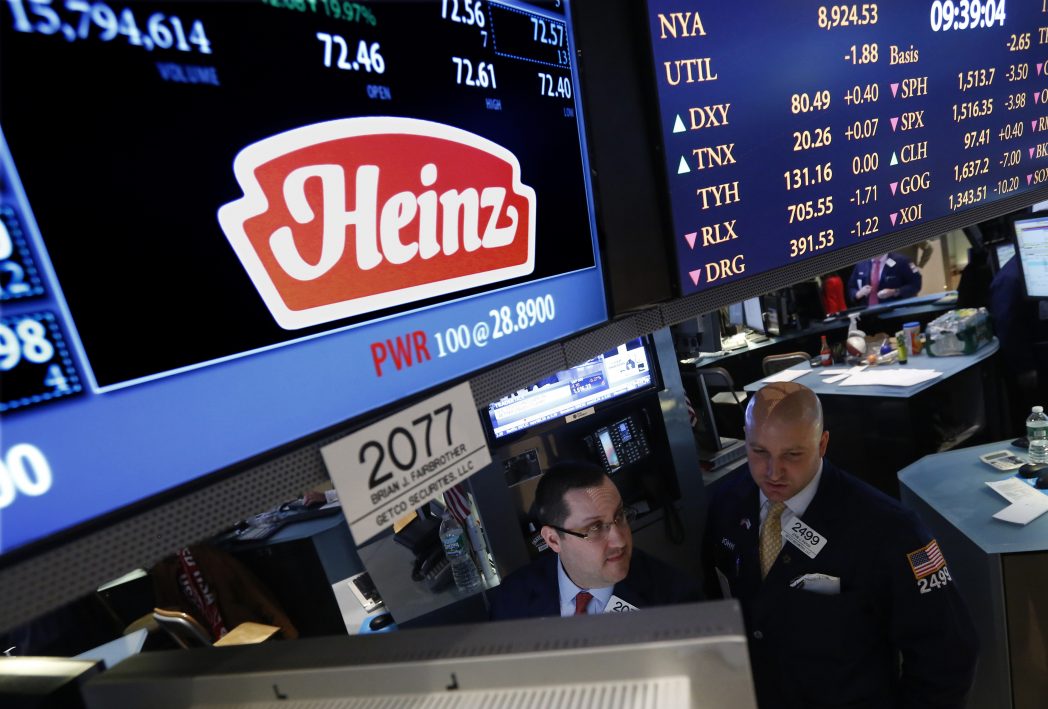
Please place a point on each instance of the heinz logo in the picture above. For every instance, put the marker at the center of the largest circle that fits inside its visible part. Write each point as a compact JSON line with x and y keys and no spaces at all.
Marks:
{"x":355,"y":215}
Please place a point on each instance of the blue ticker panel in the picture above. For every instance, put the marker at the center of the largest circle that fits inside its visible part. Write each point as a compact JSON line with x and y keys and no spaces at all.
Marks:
{"x":794,"y":129}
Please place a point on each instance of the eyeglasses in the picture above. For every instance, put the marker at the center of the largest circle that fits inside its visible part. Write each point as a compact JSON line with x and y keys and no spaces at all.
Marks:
{"x":599,"y":532}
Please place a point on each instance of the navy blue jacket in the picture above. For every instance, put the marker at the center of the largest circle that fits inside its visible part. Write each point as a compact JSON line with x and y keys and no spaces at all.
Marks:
{"x":533,"y":591}
{"x":811,"y":650}
{"x":903,"y":275}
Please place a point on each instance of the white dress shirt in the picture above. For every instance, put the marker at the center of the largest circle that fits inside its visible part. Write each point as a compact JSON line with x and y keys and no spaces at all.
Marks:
{"x":568,"y":591}
{"x":797,"y":505}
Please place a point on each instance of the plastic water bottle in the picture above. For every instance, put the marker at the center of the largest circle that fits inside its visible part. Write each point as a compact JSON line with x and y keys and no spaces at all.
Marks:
{"x":1037,"y":434}
{"x":456,"y":549}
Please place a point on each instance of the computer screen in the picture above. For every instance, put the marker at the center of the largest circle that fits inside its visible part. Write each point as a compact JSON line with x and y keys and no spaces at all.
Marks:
{"x":703,"y":419}
{"x":754,"y":314}
{"x":1031,"y":246}
{"x":227,"y":226}
{"x":611,"y":375}
{"x":737,"y":316}
{"x":1003,"y":254}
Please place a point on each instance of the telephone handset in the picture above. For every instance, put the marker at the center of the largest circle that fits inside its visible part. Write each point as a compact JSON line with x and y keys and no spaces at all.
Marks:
{"x":619,"y":444}
{"x":433,"y":570}
{"x":422,"y":537}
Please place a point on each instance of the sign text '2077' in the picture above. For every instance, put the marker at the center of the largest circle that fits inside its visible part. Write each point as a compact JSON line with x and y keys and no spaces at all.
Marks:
{"x":402,"y":447}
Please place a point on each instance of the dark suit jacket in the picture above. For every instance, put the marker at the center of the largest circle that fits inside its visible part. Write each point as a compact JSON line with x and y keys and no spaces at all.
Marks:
{"x":903,"y":275}
{"x":811,"y":650}
{"x":533,"y":591}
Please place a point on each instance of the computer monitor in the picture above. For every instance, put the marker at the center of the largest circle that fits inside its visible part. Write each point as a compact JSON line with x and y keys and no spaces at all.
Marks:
{"x":606,"y":377}
{"x":754,"y":314}
{"x":1031,"y":246}
{"x":705,"y":425}
{"x":710,"y":331}
{"x":737,"y":316}
{"x":1003,"y":253}
{"x":688,"y":656}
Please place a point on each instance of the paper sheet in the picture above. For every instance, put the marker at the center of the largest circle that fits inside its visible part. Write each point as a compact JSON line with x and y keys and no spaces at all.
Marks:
{"x":1013,"y":489}
{"x":837,"y":371}
{"x":1028,"y":503}
{"x":1024,"y":511}
{"x":786,"y":375}
{"x":891,"y":377}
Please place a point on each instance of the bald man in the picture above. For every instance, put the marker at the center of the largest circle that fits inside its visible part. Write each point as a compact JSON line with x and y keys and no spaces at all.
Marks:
{"x":847,"y":599}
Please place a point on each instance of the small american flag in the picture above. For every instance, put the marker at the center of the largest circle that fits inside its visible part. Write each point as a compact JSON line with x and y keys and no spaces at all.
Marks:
{"x":926,"y":560}
{"x":457,"y":501}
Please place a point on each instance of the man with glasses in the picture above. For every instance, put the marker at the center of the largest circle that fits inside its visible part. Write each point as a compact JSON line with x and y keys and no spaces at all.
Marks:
{"x":594,"y":567}
{"x":848,"y":601}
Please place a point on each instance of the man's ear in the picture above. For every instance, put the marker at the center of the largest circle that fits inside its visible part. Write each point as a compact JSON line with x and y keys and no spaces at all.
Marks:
{"x":824,"y":442}
{"x":551,"y":537}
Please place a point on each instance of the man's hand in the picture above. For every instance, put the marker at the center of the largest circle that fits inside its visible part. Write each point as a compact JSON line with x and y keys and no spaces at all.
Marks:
{"x":862,"y":292}
{"x":313,"y":499}
{"x":887,"y":293}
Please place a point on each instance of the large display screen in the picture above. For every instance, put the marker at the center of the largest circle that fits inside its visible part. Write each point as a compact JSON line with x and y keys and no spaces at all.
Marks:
{"x":228,"y":225}
{"x":793,"y":129}
{"x":613,"y":374}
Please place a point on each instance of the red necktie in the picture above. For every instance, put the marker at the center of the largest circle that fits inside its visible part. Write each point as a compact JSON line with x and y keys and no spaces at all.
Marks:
{"x":875,"y":283}
{"x":581,"y":601}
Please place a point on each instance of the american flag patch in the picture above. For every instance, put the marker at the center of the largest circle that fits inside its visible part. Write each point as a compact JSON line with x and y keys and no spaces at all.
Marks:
{"x":926,"y":560}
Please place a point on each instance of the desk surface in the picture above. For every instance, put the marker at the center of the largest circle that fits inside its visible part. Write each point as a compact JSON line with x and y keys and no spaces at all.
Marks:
{"x":714,"y":358}
{"x":390,"y":564}
{"x":908,"y":307}
{"x":919,"y":304}
{"x":954,"y":484}
{"x":949,"y":366}
{"x":305,"y":526}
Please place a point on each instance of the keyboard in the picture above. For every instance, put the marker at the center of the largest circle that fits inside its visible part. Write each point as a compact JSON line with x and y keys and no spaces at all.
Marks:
{"x":262,"y":531}
{"x":734,"y":342}
{"x":256,"y":532}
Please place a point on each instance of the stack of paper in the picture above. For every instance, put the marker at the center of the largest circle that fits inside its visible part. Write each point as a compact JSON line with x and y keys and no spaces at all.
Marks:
{"x":839,"y":375}
{"x":1028,"y":503}
{"x":890,"y":377}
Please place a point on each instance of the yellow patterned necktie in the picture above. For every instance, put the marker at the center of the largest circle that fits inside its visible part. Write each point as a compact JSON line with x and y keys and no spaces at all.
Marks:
{"x":771,"y":536}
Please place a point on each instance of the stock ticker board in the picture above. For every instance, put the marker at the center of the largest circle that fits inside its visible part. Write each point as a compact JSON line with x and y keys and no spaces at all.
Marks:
{"x":793,"y":129}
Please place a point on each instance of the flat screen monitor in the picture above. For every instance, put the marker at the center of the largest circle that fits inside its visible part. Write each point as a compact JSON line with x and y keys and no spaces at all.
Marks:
{"x":690,"y":656}
{"x":737,"y":316}
{"x":705,"y":426}
{"x":1003,"y":253}
{"x":616,"y":373}
{"x":754,"y":314}
{"x":227,"y":226}
{"x":710,"y":331}
{"x":791,"y":132}
{"x":1031,"y":246}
